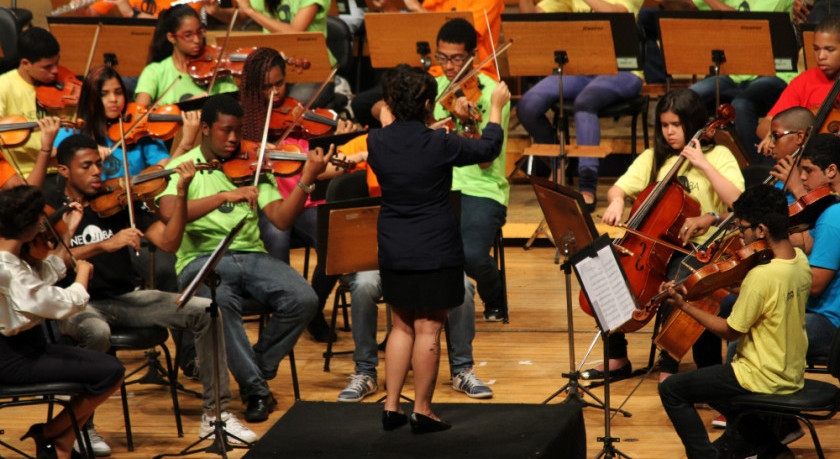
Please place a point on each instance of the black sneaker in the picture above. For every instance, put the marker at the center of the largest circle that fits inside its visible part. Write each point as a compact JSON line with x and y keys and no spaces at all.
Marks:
{"x":494,"y":315}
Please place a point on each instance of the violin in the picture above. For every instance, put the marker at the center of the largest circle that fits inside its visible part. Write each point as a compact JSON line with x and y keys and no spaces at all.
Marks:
{"x":315,"y":123}
{"x":65,"y":91}
{"x":202,"y":68}
{"x":657,"y":214}
{"x":804,"y":212}
{"x":144,"y":186}
{"x":15,"y":129}
{"x":161,"y":123}
{"x":704,"y":288}
{"x":283,"y":161}
{"x":45,"y":241}
{"x":472,"y":91}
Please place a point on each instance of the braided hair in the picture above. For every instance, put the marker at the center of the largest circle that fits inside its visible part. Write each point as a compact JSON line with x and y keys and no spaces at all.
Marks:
{"x":253,"y":98}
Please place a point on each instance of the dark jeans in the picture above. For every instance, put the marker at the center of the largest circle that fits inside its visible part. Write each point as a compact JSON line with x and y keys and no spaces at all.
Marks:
{"x":481,"y":219}
{"x":751,"y":100}
{"x":715,"y":385}
{"x":654,"y":62}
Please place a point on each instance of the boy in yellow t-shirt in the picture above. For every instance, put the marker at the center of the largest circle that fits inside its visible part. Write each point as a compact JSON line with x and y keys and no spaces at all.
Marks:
{"x":768,"y":320}
{"x":38,"y":52}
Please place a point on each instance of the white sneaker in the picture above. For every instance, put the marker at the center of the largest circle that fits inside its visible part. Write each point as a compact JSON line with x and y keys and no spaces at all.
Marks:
{"x":360,"y":386}
{"x":100,"y":447}
{"x":467,"y":382}
{"x":232,"y":426}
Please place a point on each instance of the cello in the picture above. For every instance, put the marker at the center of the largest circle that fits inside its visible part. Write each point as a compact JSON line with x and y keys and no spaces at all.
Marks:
{"x":656,"y":218}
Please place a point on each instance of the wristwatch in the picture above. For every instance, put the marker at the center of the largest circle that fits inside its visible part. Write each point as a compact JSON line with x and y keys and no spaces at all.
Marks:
{"x":306,"y":188}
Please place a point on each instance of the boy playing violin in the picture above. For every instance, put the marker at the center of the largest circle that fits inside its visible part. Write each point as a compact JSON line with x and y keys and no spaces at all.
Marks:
{"x":484,"y":187}
{"x":768,"y":322}
{"x":116,"y":300}
{"x":215,"y":207}
{"x":38,"y":51}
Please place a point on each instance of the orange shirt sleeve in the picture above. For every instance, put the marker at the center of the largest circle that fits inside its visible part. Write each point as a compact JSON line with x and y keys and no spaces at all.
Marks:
{"x":102,"y":8}
{"x":6,"y":171}
{"x":357,"y":145}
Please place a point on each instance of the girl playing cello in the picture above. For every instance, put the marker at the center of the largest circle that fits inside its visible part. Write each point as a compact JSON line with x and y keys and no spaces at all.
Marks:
{"x":711,"y":176}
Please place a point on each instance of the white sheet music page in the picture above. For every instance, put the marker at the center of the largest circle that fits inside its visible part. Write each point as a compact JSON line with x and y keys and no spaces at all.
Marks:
{"x":608,"y":293}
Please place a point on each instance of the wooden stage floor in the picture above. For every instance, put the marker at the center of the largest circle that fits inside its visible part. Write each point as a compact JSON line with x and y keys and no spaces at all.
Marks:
{"x":522,"y":361}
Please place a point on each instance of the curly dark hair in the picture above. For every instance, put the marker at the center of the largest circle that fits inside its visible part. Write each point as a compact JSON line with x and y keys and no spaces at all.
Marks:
{"x":251,"y":96}
{"x":409,"y":93}
{"x":20,"y":208}
{"x":823,"y":150}
{"x":764,"y":204}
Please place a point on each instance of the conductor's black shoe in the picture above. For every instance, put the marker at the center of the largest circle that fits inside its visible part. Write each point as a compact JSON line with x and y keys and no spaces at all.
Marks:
{"x":615,"y":375}
{"x":259,"y":408}
{"x":424,"y":424}
{"x":393,"y":419}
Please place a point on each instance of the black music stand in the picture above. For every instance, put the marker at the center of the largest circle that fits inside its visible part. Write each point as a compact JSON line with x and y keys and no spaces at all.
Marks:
{"x":592,"y":44}
{"x":207,"y":276}
{"x":571,"y":227}
{"x":600,"y":275}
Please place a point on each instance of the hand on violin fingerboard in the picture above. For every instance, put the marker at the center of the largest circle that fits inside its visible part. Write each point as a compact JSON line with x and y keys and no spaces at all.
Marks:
{"x":316,"y":162}
{"x":462,"y":108}
{"x":72,"y":218}
{"x":186,"y":171}
{"x":49,"y":127}
{"x":675,"y":294}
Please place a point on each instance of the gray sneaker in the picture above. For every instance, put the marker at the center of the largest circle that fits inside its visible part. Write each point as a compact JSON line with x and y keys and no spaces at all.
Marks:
{"x":360,"y":386}
{"x":467,"y":382}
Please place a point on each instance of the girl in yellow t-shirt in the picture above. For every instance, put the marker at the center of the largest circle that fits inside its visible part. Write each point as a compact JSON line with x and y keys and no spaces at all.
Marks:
{"x":713,"y":179}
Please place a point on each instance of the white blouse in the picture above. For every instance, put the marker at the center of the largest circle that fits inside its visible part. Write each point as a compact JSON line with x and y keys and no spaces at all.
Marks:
{"x":27,"y":294}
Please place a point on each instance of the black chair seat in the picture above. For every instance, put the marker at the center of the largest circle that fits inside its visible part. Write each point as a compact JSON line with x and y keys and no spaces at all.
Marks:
{"x":43,"y":389}
{"x":815,"y":396}
{"x":138,"y":338}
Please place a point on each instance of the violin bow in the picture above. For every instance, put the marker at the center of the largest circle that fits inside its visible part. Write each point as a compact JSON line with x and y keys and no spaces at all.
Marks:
{"x":306,"y":107}
{"x":141,"y":117}
{"x":222,"y":50}
{"x":264,"y":140}
{"x":492,"y":44}
{"x":451,"y":86}
{"x":127,"y":178}
{"x":90,"y":59}
{"x":474,"y":70}
{"x":11,"y":160}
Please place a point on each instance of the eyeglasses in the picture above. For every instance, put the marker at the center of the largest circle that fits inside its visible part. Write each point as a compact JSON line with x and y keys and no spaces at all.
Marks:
{"x":190,"y":35}
{"x":778,"y":135}
{"x":743,"y":228}
{"x":455,"y":60}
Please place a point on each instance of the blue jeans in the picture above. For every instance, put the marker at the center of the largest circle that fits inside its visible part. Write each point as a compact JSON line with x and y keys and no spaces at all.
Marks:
{"x":715,"y":385}
{"x":591,"y":94}
{"x":481,"y":219}
{"x":820,"y":332}
{"x":91,"y":328}
{"x":273,"y":283}
{"x":751,"y":100}
{"x":305,"y":229}
{"x":366,"y":288}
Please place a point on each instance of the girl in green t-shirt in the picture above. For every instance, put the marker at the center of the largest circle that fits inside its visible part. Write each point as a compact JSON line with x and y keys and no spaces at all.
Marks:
{"x":179,"y":36}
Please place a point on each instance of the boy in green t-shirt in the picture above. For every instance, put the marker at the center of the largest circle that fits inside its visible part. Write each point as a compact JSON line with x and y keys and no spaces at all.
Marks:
{"x":768,"y":320}
{"x":246,"y":270}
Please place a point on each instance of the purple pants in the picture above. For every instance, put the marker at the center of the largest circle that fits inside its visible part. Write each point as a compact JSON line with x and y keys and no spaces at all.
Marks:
{"x":591,"y":94}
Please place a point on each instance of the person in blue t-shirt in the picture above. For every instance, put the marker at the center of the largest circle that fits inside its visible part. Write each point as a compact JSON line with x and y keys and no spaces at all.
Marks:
{"x":819,"y":167}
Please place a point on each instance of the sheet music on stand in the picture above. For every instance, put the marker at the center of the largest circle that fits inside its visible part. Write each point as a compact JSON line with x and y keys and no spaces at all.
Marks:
{"x":604,"y":283}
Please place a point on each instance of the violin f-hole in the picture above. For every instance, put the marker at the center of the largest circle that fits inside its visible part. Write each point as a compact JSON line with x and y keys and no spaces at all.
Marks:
{"x":641,"y":255}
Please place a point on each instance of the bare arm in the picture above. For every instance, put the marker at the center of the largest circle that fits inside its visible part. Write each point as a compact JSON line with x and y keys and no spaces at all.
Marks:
{"x":168,"y":236}
{"x":822,"y":277}
{"x":299,"y":23}
{"x":601,"y":6}
{"x":529,"y":6}
{"x":282,"y":213}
